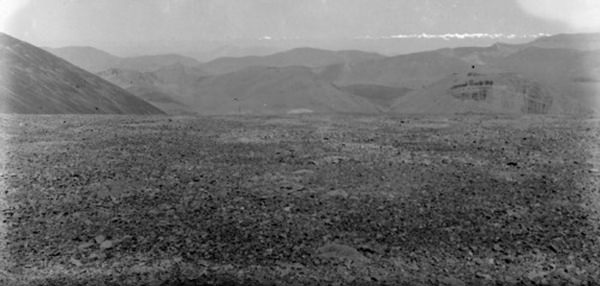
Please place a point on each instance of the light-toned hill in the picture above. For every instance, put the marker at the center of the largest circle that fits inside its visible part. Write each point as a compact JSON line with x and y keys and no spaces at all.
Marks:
{"x":128,"y":78}
{"x":262,"y":90}
{"x":408,"y":71}
{"x":584,"y":42}
{"x":573,"y":74}
{"x":542,"y":63}
{"x":382,"y":96}
{"x":155,"y":62}
{"x":95,"y":60}
{"x":482,"y":57}
{"x":254,"y":90}
{"x":163,"y":88}
{"x":87,"y":58}
{"x":308,"y":57}
{"x":33,"y":80}
{"x":473,"y":92}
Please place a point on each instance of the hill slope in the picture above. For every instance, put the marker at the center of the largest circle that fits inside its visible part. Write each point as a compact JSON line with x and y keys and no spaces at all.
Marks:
{"x":165,"y":88}
{"x":409,"y":71}
{"x":87,"y":58}
{"x":383,"y":96}
{"x":551,"y":64}
{"x":573,"y":74}
{"x":489,"y":93}
{"x":569,"y":75}
{"x":254,"y":90}
{"x":35,"y":81}
{"x":262,"y":90}
{"x":307,"y":57}
{"x":95,"y":60}
{"x":155,"y":62}
{"x":584,"y":42}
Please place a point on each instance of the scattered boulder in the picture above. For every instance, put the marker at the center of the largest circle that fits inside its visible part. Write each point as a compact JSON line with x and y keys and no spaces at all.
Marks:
{"x":341,"y":251}
{"x":536,"y":274}
{"x":85,"y":245}
{"x":100,"y":238}
{"x":303,"y":172}
{"x":337,"y":193}
{"x":106,"y":244}
{"x":334,"y":159}
{"x":75,"y":262}
{"x":289,"y":186}
{"x":484,"y":276}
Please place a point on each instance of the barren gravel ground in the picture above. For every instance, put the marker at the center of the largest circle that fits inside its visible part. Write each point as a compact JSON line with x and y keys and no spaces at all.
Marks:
{"x":107,"y":200}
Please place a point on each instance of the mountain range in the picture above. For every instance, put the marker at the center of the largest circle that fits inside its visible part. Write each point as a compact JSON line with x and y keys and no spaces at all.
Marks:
{"x":556,"y":74}
{"x":308,"y":57}
{"x":95,"y":60}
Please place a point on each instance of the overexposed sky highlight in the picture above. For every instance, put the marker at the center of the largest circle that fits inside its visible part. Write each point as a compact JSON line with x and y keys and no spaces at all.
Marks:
{"x":580,"y":15}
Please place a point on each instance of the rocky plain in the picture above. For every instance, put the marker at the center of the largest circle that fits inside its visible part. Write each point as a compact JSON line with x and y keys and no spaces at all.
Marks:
{"x":300,"y":200}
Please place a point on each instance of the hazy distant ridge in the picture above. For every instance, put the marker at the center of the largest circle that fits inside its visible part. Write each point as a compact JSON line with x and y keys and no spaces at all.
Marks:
{"x":563,"y":67}
{"x":95,"y":60}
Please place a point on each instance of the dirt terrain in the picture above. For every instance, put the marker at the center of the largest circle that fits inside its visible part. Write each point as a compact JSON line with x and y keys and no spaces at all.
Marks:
{"x":306,"y":199}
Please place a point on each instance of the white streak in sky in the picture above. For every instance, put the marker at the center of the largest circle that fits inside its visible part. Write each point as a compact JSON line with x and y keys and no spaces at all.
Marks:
{"x":449,"y":36}
{"x":458,"y":36}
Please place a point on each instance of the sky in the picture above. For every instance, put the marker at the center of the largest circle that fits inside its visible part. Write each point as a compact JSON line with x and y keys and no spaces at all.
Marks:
{"x":105,"y":23}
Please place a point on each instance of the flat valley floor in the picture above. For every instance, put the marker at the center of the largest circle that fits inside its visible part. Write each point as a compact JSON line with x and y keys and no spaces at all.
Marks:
{"x":305,"y":199}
